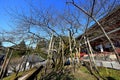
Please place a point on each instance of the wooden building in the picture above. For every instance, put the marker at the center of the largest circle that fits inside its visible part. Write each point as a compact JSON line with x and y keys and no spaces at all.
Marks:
{"x":111,"y":24}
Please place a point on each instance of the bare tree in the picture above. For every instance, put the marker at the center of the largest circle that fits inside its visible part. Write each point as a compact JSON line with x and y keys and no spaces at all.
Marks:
{"x":45,"y":23}
{"x":95,"y":20}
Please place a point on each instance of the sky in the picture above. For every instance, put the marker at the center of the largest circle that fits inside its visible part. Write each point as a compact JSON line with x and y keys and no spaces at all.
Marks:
{"x":6,"y":6}
{"x":23,"y":5}
{"x":6,"y":22}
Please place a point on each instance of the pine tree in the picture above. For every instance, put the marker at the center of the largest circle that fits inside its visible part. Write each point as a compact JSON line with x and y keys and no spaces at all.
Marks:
{"x":22,"y":45}
{"x":41,"y":48}
{"x":21,"y":49}
{"x":0,"y":44}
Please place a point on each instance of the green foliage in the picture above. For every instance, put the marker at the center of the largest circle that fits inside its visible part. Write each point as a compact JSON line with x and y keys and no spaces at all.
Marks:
{"x":109,"y":73}
{"x":0,"y":43}
{"x":21,"y":49}
{"x":42,"y":44}
{"x":22,"y":45}
{"x":84,"y":69}
{"x":41,"y":49}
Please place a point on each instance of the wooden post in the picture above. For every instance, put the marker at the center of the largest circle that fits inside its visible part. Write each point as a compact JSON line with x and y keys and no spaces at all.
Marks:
{"x":4,"y":64}
{"x":7,"y":63}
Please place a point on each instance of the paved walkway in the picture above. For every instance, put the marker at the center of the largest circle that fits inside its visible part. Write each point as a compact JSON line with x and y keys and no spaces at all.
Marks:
{"x":109,"y":64}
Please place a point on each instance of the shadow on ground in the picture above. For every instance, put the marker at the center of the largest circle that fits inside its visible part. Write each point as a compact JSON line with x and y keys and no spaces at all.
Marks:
{"x":60,"y":75}
{"x":110,"y":78}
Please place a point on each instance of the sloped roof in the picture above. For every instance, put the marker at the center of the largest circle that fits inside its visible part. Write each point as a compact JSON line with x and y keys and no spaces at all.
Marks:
{"x":110,"y":22}
{"x":33,"y":58}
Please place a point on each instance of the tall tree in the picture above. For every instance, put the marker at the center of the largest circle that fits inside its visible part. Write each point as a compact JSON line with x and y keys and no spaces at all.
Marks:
{"x":22,"y":45}
{"x":94,"y":15}
{"x":0,"y":43}
{"x":20,"y":49}
{"x":41,"y":48}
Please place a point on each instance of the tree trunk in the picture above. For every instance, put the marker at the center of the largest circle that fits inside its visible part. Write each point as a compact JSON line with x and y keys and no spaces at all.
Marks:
{"x":4,"y":64}
{"x":101,"y":27}
{"x":62,"y":54}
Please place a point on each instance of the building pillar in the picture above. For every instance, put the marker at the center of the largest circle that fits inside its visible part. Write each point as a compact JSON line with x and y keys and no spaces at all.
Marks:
{"x":101,"y":48}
